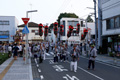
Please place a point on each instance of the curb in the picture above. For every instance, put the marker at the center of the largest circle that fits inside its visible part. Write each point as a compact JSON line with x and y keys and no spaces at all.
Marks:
{"x":104,"y":62}
{"x":108,"y":63}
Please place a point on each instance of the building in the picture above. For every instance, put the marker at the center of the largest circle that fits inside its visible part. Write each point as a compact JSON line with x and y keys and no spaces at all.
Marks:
{"x":8,"y":27}
{"x":76,"y":38}
{"x":33,"y":35}
{"x":111,"y":25}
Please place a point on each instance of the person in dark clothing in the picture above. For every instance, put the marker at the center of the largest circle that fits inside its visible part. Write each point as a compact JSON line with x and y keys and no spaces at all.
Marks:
{"x":15,"y":52}
{"x":55,"y":54}
{"x":93,"y":55}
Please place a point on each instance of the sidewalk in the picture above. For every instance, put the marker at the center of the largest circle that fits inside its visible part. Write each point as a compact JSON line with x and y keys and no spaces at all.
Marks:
{"x":17,"y":70}
{"x":108,"y":60}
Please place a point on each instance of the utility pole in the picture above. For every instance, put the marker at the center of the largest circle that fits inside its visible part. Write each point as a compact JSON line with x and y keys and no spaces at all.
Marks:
{"x":95,"y":23}
{"x":27,"y":45}
{"x":99,"y":24}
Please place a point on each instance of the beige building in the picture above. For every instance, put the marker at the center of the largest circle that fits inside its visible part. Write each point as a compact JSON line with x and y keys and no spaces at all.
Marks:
{"x":33,"y":35}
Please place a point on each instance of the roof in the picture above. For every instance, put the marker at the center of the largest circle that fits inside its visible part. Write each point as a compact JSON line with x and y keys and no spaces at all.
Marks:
{"x":30,"y":24}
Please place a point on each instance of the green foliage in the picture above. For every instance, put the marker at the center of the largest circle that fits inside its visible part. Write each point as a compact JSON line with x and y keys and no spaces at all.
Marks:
{"x":89,"y":19}
{"x":111,"y":54}
{"x":66,"y":15}
{"x":3,"y":57}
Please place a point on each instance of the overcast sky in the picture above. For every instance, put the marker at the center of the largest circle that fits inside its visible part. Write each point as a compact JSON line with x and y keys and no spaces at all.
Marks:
{"x":48,"y":10}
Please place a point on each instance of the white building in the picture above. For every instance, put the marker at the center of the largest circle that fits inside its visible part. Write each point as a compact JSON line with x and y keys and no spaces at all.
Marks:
{"x":75,"y":38}
{"x":8,"y":27}
{"x":33,"y":35}
{"x":111,"y":25}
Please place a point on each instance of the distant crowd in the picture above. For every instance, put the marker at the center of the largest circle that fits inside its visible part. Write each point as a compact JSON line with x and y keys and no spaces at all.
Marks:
{"x":61,"y":52}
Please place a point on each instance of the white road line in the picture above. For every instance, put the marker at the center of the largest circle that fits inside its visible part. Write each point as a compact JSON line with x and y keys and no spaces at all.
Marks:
{"x":104,"y":63}
{"x":37,"y":65}
{"x":52,"y":53}
{"x":35,"y":61}
{"x":47,"y":54}
{"x":41,"y":76}
{"x":90,"y":73}
{"x":72,"y":78}
{"x":39,"y":70}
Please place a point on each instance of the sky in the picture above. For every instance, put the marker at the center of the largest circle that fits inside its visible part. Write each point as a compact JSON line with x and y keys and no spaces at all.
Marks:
{"x":47,"y":10}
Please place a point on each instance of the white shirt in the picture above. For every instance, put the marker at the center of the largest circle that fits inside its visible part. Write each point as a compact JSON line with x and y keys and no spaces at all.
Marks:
{"x":20,"y":48}
{"x":9,"y":48}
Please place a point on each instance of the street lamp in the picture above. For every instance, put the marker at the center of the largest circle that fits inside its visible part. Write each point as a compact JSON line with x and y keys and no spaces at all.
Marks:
{"x":26,"y":60}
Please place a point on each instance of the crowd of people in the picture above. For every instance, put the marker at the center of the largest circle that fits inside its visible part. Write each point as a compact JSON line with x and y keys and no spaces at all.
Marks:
{"x":61,"y":52}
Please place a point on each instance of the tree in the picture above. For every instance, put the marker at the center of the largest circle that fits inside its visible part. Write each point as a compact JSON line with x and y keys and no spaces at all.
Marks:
{"x":89,"y":19}
{"x":67,"y":15}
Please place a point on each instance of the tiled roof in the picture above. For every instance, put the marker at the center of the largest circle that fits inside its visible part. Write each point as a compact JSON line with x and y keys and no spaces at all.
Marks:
{"x":30,"y":24}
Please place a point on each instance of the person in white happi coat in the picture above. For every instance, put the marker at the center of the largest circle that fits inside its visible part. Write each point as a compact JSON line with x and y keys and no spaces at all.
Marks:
{"x":74,"y":57}
{"x":92,"y":56}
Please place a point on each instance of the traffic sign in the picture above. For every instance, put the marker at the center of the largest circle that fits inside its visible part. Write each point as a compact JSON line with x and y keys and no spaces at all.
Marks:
{"x":25,"y":30}
{"x":25,"y":20}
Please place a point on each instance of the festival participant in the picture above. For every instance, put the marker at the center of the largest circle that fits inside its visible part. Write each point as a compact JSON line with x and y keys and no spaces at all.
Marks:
{"x":74,"y":57}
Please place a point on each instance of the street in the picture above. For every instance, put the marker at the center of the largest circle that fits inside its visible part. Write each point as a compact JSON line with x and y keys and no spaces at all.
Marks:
{"x":48,"y":70}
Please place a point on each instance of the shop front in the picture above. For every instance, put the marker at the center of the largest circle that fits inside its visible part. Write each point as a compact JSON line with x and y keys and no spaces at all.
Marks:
{"x":111,"y":44}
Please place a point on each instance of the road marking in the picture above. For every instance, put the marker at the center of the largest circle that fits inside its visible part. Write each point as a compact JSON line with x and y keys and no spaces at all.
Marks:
{"x":52,"y":62}
{"x":35,"y":61}
{"x":59,"y":68}
{"x":41,"y":76}
{"x":103,"y":63}
{"x":37,"y":65}
{"x":90,"y":73}
{"x":47,"y":54}
{"x":52,"y":53}
{"x":67,"y":77}
{"x":39,"y":70}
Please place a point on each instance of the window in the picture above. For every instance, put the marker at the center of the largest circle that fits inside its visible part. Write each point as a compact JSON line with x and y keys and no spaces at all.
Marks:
{"x":0,"y":22}
{"x":117,"y":22}
{"x":73,"y":23}
{"x":110,"y":23}
{"x":36,"y":32}
{"x":64,"y":28}
{"x":4,"y":22}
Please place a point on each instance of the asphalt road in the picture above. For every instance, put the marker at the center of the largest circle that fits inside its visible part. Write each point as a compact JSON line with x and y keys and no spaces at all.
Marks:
{"x":48,"y":70}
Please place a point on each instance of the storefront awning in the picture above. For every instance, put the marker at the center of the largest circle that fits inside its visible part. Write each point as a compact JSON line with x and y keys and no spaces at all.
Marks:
{"x":4,"y":37}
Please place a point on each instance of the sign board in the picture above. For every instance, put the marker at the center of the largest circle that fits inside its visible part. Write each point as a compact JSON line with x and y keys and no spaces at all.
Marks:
{"x":25,"y":20}
{"x":25,"y":30}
